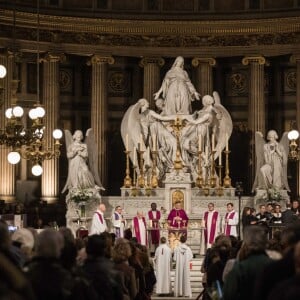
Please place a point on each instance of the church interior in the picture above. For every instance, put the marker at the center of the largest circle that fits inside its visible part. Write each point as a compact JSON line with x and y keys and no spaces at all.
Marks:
{"x":98,"y":57}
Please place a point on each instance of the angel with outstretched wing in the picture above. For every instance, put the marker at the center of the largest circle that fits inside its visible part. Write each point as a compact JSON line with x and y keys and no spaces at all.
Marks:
{"x":271,"y":161}
{"x":83,"y":162}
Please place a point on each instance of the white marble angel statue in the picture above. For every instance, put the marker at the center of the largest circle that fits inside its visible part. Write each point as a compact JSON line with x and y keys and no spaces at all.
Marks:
{"x":271,"y":161}
{"x":146,"y":128}
{"x":213,"y":120}
{"x":177,"y":90}
{"x":83,"y":162}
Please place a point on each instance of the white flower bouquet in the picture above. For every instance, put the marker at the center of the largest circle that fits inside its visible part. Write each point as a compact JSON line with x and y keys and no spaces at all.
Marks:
{"x":78,"y":195}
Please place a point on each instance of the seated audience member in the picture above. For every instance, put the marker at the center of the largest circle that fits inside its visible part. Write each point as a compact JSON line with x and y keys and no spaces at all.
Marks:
{"x":289,"y":289}
{"x":277,"y":215}
{"x":282,"y":269}
{"x":240,"y":281}
{"x":288,"y":216}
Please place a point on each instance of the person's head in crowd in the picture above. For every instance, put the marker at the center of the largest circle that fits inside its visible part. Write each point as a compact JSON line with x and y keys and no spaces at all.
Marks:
{"x":5,"y":240}
{"x":262,"y":209}
{"x":67,"y":234}
{"x":163,"y":240}
{"x":246,"y":211}
{"x":183,"y":239}
{"x":290,"y":236}
{"x":24,"y":240}
{"x":121,"y":250}
{"x":108,"y":242}
{"x":253,"y":211}
{"x":211,"y":206}
{"x":295,"y":205}
{"x":277,"y":209}
{"x":254,"y":242}
{"x":102,"y":207}
{"x":153,"y":206}
{"x":140,"y":214}
{"x":49,"y":243}
{"x":96,"y":246}
{"x":128,"y":234}
{"x":269,"y":208}
{"x":229,"y":207}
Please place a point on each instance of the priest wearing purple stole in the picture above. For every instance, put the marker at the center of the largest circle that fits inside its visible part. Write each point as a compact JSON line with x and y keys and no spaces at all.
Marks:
{"x":154,"y":217}
{"x":178,"y":219}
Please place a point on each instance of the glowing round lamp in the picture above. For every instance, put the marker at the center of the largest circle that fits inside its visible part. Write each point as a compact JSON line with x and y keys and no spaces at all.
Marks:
{"x":18,"y":111}
{"x":57,"y":134}
{"x":2,"y":71}
{"x":9,"y":113}
{"x":293,"y":134}
{"x":37,"y":170}
{"x":40,"y":111}
{"x":13,"y":157}
{"x":33,"y":114}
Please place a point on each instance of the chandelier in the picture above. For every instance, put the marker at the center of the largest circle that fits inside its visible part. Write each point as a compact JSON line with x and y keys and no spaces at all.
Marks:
{"x":28,"y":143}
{"x":294,"y":153}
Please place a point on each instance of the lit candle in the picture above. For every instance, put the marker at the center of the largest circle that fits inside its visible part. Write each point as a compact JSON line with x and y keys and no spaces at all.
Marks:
{"x":141,"y":142}
{"x":127,"y":142}
{"x":226,"y":142}
{"x":154,"y":142}
{"x":199,"y":143}
{"x":213,"y":142}
{"x":206,"y":152}
{"x":148,"y":156}
{"x":134,"y":156}
{"x":220,"y":158}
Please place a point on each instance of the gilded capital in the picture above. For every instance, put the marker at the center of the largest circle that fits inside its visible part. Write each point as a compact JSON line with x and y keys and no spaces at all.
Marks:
{"x":53,"y":57}
{"x":295,"y":58}
{"x":203,"y":60}
{"x":151,"y":60}
{"x":98,"y":59}
{"x":253,"y":59}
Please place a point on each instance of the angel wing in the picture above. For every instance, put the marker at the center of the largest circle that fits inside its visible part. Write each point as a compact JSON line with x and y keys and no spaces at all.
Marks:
{"x":68,"y":141}
{"x":93,"y":156}
{"x":260,"y":160}
{"x":223,"y":124}
{"x":284,"y":142}
{"x":131,"y":129}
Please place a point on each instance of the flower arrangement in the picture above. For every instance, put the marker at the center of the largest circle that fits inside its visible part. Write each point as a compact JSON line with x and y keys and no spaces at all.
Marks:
{"x":274,"y":194}
{"x":78,"y":195}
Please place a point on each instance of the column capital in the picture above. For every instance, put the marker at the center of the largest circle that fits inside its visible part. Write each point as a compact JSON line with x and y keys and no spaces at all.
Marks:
{"x":254,"y":59}
{"x":53,"y":57}
{"x":295,"y":58}
{"x":151,"y":60}
{"x":100,"y":59}
{"x":196,"y":61}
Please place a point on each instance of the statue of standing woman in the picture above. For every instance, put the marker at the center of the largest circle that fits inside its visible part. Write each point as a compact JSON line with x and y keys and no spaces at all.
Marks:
{"x":177,"y":90}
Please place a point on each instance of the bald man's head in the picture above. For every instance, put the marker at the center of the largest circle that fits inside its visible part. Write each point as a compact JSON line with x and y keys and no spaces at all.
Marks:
{"x":102,"y":207}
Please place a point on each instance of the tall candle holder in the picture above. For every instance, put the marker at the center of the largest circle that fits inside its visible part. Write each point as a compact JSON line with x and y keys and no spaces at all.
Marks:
{"x":177,"y":126}
{"x":213,"y":179}
{"x":154,"y":179}
{"x":199,"y":180}
{"x":134,"y":189}
{"x":141,"y":179}
{"x":220,"y":188}
{"x":127,"y":179}
{"x":227,"y":179}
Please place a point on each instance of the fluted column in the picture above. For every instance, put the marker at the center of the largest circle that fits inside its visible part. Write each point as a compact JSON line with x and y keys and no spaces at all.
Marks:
{"x":151,"y":67}
{"x":7,"y":178}
{"x":50,"y":177}
{"x":256,"y":107}
{"x":296,"y":60}
{"x":99,"y":110}
{"x":204,"y":81}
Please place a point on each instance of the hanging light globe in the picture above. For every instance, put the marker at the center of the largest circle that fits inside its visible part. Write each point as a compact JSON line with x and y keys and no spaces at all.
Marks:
{"x":9,"y":113}
{"x":18,"y":111}
{"x":37,"y":170}
{"x":13,"y":157}
{"x":40,"y":111}
{"x":33,"y":114}
{"x":293,"y":135}
{"x":57,"y":134}
{"x":2,"y":71}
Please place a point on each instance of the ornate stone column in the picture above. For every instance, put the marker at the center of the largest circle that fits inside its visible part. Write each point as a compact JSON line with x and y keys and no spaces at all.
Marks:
{"x":296,"y":60}
{"x":256,"y":108}
{"x":7,"y":178}
{"x":99,"y":110}
{"x":151,"y":67}
{"x":50,"y":177}
{"x":204,"y":82}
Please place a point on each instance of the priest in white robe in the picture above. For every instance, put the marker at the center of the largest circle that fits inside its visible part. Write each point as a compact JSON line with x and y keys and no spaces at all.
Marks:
{"x":162,"y":259}
{"x":211,"y":223}
{"x":231,"y":221}
{"x":98,"y":222}
{"x":119,"y":222}
{"x":139,"y":228}
{"x":182,"y":256}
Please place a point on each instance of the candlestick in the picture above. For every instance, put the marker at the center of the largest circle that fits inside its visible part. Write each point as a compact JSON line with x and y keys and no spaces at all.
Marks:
{"x":127,"y":179}
{"x":220,"y":158}
{"x":154,"y":142}
{"x":227,"y":179}
{"x":213,"y":142}
{"x":227,"y":142}
{"x":199,"y":143}
{"x":126,"y":142}
{"x":134,"y":156}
